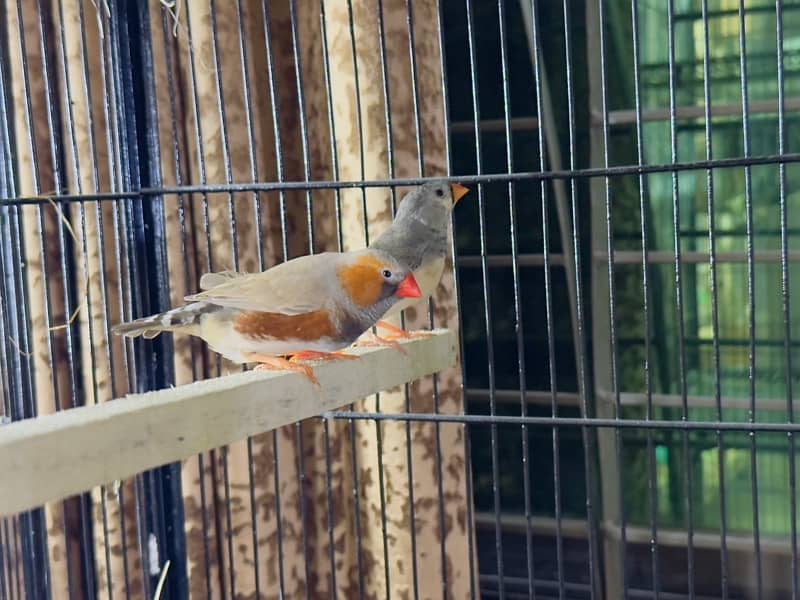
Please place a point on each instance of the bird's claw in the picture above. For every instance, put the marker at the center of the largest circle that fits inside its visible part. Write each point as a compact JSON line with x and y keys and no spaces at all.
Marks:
{"x":375,"y":341}
{"x":275,"y":363}
{"x":321,"y":356}
{"x":396,"y":333}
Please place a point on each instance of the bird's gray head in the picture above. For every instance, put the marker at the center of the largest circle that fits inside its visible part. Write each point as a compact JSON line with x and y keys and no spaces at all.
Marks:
{"x":431,"y":203}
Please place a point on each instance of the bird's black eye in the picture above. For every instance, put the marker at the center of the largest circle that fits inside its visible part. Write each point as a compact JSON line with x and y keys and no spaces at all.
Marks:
{"x":386,"y":273}
{"x":440,"y":192}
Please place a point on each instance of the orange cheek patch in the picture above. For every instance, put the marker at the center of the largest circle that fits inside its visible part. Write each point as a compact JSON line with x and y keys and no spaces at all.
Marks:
{"x":307,"y":326}
{"x":362,"y":280}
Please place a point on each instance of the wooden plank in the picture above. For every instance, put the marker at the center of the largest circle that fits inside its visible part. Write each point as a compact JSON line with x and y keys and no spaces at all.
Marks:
{"x":62,"y":454}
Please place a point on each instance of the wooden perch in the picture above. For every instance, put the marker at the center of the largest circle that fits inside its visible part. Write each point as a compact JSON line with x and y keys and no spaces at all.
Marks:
{"x":62,"y":454}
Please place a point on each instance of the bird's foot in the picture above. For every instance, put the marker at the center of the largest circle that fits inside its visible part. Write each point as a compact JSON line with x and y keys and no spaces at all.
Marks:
{"x":321,"y":356}
{"x":401,"y":334}
{"x":376,"y":341}
{"x":276,"y":363}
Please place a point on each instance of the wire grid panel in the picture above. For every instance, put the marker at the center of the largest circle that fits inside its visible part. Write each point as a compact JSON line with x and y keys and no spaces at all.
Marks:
{"x":623,"y":272}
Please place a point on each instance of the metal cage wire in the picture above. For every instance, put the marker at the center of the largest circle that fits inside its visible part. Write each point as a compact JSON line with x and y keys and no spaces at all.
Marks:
{"x":520,"y":549}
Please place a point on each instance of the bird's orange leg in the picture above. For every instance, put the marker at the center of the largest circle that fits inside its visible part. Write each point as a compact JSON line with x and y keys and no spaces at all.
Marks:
{"x":276,"y":363}
{"x":377,"y":341}
{"x":321,"y":356}
{"x":401,"y":334}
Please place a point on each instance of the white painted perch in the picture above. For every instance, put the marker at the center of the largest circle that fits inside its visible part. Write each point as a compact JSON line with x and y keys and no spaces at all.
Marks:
{"x":59,"y":455}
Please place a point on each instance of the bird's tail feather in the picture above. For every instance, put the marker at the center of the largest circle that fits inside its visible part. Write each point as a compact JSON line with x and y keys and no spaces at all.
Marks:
{"x":184,"y":318}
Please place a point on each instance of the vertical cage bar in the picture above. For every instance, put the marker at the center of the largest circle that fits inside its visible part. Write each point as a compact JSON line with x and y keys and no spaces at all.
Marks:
{"x":387,"y":115}
{"x":8,"y":566}
{"x":339,"y":246}
{"x":679,"y":303}
{"x":114,"y":153}
{"x":486,"y":299}
{"x":279,"y":165}
{"x":10,"y":542}
{"x":587,"y":436}
{"x":14,"y":539}
{"x":226,"y":163}
{"x":301,"y":109}
{"x":251,"y":148}
{"x":176,"y":158}
{"x":87,"y":90}
{"x":169,"y":481}
{"x":6,"y":270}
{"x":85,"y":580}
{"x":15,"y":326}
{"x":551,"y":356}
{"x":644,"y":229}
{"x":359,"y":124}
{"x":211,"y":500}
{"x":438,"y":459}
{"x":365,"y":225}
{"x":15,"y":371}
{"x":276,"y":126}
{"x":36,"y":568}
{"x":86,"y":541}
{"x":301,"y":106}
{"x":785,"y":303}
{"x":130,"y":32}
{"x":468,"y":486}
{"x":611,"y":285}
{"x":751,"y":303}
{"x":712,"y":266}
{"x":412,"y":57}
{"x":128,"y":266}
{"x":6,"y":588}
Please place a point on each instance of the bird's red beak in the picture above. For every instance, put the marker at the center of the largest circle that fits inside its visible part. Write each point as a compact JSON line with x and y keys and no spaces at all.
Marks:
{"x":459,"y":191}
{"x":408,"y":288}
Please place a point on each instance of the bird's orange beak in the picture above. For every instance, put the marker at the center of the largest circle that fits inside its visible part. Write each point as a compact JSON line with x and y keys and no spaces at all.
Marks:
{"x":459,"y":191}
{"x":408,"y":288}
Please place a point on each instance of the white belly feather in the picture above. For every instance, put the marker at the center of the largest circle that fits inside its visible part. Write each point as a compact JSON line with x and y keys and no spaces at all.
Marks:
{"x":428,"y":277}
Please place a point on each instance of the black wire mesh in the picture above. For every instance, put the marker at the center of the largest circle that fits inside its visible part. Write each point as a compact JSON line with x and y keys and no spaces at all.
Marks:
{"x":654,"y":428}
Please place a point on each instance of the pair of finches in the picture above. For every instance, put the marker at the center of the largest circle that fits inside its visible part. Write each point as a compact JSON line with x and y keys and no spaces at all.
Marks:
{"x":313,"y":306}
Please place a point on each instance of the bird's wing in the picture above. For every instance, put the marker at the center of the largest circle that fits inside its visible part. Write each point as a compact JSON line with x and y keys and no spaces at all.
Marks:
{"x":291,"y":288}
{"x":210,"y":280}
